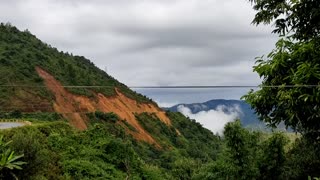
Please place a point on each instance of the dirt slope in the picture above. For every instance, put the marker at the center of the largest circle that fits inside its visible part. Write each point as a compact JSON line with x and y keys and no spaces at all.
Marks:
{"x":73,"y":107}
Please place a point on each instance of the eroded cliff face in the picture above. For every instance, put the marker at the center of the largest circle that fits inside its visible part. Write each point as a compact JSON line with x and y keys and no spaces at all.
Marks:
{"x":73,"y":107}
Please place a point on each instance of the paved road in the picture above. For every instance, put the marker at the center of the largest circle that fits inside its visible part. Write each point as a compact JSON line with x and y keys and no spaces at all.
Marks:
{"x":7,"y":125}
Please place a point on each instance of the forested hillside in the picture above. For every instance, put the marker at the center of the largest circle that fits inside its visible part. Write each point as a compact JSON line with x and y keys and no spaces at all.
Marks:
{"x":35,"y":77}
{"x":55,"y":150}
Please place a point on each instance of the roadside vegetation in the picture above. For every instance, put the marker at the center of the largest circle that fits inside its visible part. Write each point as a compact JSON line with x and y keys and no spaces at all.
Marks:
{"x":55,"y":150}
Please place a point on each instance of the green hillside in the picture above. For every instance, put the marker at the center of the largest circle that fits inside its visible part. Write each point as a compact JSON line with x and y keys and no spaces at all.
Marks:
{"x":21,"y":52}
{"x":55,"y":150}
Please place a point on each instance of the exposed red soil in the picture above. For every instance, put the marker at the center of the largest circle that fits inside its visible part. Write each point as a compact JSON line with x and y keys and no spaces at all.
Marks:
{"x":71,"y":106}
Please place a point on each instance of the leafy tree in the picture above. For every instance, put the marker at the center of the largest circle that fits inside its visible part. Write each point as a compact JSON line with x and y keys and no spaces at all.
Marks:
{"x":274,"y":157}
{"x":302,"y":160}
{"x":242,"y":149}
{"x":184,"y":168}
{"x":32,"y":143}
{"x":123,"y":156}
{"x":299,"y":17}
{"x":153,"y":173}
{"x":294,"y":62}
{"x":220,"y":169}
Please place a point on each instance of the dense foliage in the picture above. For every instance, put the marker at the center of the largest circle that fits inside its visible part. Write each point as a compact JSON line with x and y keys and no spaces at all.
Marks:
{"x":299,"y":17}
{"x":54,"y":150}
{"x":254,"y":155}
{"x":290,"y":64}
{"x":294,"y":62}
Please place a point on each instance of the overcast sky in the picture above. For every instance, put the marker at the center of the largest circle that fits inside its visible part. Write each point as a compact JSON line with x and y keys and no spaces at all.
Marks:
{"x":154,"y":42}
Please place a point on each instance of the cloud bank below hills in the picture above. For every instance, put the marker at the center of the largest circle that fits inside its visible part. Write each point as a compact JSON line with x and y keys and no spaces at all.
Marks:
{"x":214,"y":120}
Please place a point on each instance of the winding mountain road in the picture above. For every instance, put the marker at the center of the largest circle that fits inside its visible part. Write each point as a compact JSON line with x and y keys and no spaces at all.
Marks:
{"x":8,"y":125}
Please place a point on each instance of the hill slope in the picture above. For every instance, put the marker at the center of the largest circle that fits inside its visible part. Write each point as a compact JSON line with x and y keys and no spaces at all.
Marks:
{"x":21,"y":52}
{"x":35,"y":77}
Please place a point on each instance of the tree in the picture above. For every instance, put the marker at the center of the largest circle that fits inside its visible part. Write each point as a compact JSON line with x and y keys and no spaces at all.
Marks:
{"x":294,"y":62}
{"x":274,"y":156}
{"x":243,"y":151}
{"x":184,"y":168}
{"x":303,"y":160}
{"x":299,"y":17}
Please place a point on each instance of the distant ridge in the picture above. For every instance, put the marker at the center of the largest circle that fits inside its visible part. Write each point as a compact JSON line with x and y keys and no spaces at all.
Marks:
{"x":247,"y":115}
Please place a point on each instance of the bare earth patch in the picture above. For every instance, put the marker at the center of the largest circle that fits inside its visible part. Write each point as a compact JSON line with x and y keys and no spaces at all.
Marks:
{"x":74,"y":106}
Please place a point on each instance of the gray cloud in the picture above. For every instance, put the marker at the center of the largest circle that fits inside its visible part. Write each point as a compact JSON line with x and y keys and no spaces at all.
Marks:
{"x":152,"y":42}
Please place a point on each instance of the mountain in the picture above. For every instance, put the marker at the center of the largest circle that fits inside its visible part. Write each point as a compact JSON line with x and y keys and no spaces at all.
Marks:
{"x":245,"y":113}
{"x":84,"y":124}
{"x":35,"y":77}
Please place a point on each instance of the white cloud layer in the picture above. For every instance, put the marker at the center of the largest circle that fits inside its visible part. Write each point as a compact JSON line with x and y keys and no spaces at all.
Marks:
{"x":214,"y":120}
